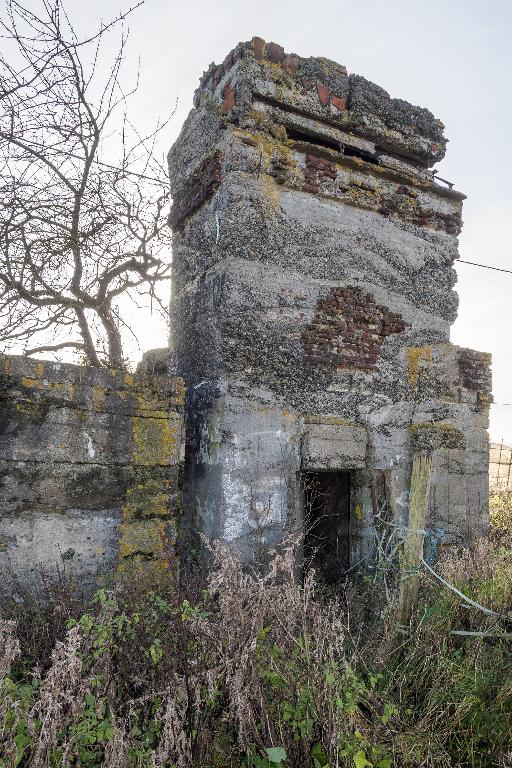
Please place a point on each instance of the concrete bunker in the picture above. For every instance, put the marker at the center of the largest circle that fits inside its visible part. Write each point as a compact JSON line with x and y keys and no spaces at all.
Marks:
{"x":312,"y":299}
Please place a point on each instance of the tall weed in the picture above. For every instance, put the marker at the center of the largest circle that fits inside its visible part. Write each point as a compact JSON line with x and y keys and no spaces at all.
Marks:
{"x":259,"y":671}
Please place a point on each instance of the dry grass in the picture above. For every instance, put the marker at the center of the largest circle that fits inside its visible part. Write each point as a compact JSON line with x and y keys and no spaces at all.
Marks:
{"x":260,"y":666}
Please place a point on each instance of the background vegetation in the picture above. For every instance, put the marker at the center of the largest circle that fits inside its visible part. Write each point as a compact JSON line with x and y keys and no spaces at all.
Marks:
{"x":262,"y":671}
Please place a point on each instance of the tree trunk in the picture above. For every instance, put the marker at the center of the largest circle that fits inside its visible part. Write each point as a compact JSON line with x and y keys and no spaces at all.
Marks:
{"x":90,"y":349}
{"x":115,"y":347}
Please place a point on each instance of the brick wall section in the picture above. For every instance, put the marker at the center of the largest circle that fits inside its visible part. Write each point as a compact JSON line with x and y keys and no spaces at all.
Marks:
{"x":228,"y":99}
{"x":348,"y":329}
{"x":403,"y":202}
{"x":89,"y":470}
{"x":317,"y":168}
{"x":272,"y":52}
{"x":197,"y":190}
{"x":474,"y":370}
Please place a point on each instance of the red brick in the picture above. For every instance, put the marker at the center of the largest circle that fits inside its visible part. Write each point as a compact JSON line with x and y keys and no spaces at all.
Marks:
{"x":343,"y":338}
{"x":198,"y":188}
{"x":229,"y":99}
{"x":323,"y":93}
{"x":339,"y":102}
{"x":258,"y":45}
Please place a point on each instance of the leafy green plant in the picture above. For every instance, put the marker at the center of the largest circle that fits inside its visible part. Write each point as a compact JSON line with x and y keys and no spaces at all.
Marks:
{"x":170,"y":679}
{"x":275,"y":757}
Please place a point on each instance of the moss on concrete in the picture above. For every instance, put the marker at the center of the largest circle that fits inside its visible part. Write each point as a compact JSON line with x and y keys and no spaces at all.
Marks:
{"x":428,"y":436}
{"x":104,"y":444}
{"x":148,"y":529}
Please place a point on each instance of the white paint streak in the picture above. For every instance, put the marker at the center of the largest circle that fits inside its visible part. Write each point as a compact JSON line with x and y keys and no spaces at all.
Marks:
{"x":91,"y":451}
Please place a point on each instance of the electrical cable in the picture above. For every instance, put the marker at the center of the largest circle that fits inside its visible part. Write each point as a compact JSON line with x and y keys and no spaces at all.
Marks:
{"x":485,"y":266}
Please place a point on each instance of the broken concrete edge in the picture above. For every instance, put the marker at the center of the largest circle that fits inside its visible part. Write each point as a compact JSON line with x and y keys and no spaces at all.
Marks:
{"x":67,"y":381}
{"x":277,"y":105}
{"x":394,"y":190}
{"x":349,"y":100}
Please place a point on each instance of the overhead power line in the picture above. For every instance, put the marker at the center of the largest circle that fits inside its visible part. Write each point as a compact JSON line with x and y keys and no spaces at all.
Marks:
{"x":485,"y":266}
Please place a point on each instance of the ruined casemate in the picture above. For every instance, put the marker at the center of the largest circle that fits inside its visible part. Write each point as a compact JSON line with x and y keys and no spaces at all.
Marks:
{"x":312,"y":299}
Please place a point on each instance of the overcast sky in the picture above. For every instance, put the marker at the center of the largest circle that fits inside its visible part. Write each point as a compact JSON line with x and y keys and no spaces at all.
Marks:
{"x":452,"y":56}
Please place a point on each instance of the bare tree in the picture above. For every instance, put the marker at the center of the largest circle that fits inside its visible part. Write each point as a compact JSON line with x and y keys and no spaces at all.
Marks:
{"x":83,"y":196}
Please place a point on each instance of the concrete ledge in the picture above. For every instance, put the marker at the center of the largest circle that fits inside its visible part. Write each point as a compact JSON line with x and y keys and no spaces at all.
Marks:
{"x":334,"y":447}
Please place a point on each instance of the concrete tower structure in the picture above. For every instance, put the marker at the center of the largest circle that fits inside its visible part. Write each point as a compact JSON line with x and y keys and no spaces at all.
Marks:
{"x":311,"y":307}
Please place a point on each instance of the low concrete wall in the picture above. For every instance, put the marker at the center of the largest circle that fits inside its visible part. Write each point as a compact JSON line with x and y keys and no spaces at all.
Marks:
{"x":90,"y":465}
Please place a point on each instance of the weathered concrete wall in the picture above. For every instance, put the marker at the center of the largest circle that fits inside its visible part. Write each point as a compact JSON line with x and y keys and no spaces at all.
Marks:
{"x":89,"y":470}
{"x":313,"y":294}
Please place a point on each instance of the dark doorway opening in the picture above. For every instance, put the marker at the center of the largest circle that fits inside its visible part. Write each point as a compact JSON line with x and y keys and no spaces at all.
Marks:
{"x":327,"y":523}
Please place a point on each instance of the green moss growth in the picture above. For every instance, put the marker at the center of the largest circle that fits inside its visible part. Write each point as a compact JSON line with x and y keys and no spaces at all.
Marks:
{"x":428,"y":436}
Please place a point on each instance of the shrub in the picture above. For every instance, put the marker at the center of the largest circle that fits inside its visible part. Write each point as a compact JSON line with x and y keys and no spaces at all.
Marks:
{"x":261,"y":671}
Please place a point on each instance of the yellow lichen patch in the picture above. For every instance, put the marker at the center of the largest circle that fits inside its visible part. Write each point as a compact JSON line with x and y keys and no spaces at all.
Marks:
{"x":417,"y":357}
{"x":155,"y":408}
{"x":128,"y":379}
{"x":39,"y":370}
{"x":27,"y":409}
{"x":147,"y":395}
{"x":144,"y":546}
{"x":279,"y":133}
{"x":358,"y":512}
{"x":5,"y":365}
{"x":154,"y":440}
{"x":149,"y":498}
{"x":31,"y":383}
{"x":273,"y":191}
{"x":272,"y":139}
{"x":98,"y":397}
{"x":428,"y":436}
{"x":179,"y":393}
{"x":146,"y":530}
{"x":274,"y":71}
{"x":361,"y":198}
{"x":334,"y":421}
